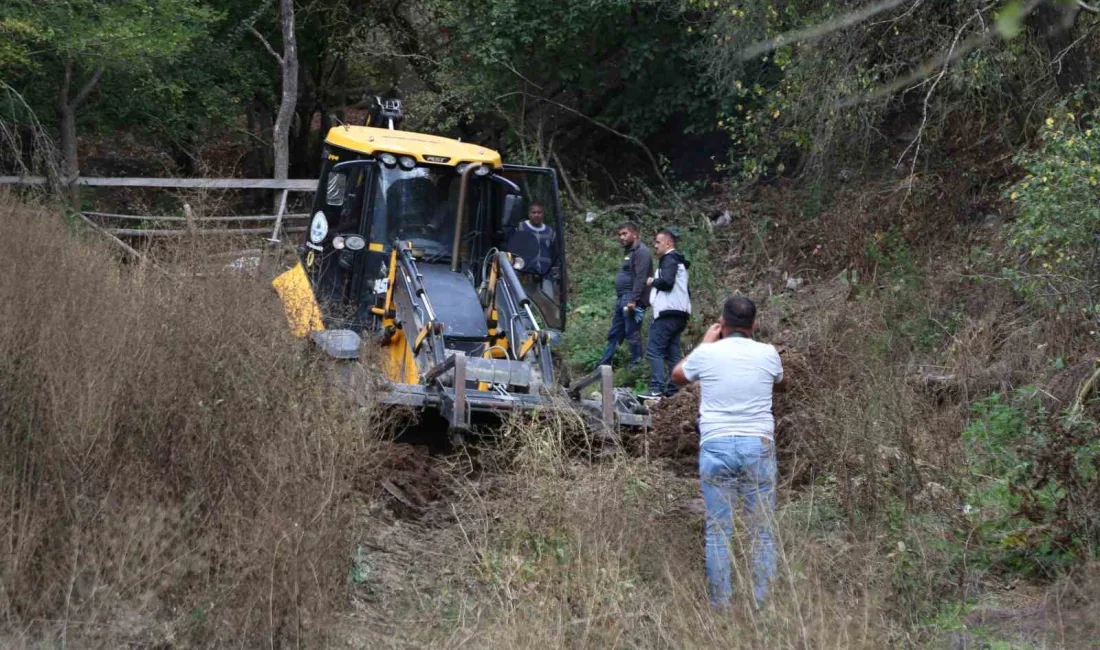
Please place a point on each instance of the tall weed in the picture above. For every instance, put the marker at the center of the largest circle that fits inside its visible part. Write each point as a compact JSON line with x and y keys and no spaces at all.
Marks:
{"x":173,"y":466}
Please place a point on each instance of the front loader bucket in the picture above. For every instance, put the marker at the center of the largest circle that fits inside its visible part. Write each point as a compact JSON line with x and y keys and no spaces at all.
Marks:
{"x":450,"y":389}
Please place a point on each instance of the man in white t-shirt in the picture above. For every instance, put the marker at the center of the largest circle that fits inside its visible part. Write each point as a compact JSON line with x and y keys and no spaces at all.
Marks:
{"x":736,"y":376}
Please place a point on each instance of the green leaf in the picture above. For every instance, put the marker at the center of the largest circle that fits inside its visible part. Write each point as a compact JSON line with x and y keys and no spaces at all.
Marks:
{"x":1010,"y":19}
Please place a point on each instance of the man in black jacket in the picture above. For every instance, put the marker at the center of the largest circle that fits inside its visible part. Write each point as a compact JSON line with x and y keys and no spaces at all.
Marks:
{"x":534,"y":240}
{"x":671,"y":301}
{"x":630,"y":293}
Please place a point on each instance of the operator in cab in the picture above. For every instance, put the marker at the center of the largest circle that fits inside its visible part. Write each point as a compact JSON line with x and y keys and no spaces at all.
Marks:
{"x":536,"y":242}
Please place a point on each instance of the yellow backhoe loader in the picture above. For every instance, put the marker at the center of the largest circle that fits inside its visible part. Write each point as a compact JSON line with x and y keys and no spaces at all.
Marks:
{"x":414,"y":246}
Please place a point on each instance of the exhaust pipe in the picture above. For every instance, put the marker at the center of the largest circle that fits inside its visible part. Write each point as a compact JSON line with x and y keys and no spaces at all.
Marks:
{"x":461,"y":212}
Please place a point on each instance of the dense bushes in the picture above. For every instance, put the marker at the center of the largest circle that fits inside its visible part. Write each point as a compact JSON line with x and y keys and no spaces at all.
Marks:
{"x":1058,"y":221}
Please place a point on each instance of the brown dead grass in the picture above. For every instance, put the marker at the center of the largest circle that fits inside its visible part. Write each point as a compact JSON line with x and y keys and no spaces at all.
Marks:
{"x":174,"y":468}
{"x":547,"y":550}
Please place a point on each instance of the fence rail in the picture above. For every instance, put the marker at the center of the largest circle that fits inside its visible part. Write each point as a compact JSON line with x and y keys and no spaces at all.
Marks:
{"x":171,"y":232}
{"x":289,"y":184}
{"x":193,"y":224}
{"x":142,"y":217}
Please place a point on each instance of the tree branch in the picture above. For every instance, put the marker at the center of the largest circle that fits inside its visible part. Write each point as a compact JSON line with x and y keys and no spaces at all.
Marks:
{"x":932,"y":66}
{"x":565,"y":181}
{"x":87,"y":89}
{"x":818,"y":31}
{"x":625,"y":136}
{"x":1086,"y":7}
{"x":267,"y":45}
{"x":916,"y":143}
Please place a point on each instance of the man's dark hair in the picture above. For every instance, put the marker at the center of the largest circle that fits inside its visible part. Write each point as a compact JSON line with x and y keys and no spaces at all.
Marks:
{"x":739,"y":312}
{"x":536,"y":204}
{"x":628,"y":225}
{"x":671,"y":236}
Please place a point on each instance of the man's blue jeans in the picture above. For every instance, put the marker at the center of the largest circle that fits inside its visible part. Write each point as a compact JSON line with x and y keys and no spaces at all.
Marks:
{"x":623,"y":327}
{"x":738,"y":474}
{"x":664,"y":347}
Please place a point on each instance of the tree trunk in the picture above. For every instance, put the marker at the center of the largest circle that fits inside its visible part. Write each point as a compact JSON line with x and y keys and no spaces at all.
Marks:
{"x":318,"y":147}
{"x":290,"y":90}
{"x":66,"y":115}
{"x":300,"y":151}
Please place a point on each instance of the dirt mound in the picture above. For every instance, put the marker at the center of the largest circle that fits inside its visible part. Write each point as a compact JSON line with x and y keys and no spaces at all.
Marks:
{"x":673,"y":435}
{"x":408,"y":480}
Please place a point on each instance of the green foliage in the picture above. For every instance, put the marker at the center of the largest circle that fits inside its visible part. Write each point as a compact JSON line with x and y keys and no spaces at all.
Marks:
{"x":804,"y":106}
{"x":123,"y":34}
{"x":623,"y":63}
{"x":121,"y":57}
{"x":1031,"y":495}
{"x":360,"y":571}
{"x":1059,"y":218}
{"x":914,"y":323}
{"x":1010,"y":19}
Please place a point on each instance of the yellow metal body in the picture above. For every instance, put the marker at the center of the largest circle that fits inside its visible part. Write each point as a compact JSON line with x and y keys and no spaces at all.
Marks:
{"x":293,"y":288}
{"x":302,"y":311}
{"x":398,"y":360}
{"x":425,"y":148}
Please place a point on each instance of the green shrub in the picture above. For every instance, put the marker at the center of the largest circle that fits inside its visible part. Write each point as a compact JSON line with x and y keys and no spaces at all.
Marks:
{"x":1032,"y":489}
{"x":1057,"y":231}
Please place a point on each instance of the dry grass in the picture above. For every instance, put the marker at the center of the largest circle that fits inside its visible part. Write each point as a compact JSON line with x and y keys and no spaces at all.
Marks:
{"x":544,"y":550}
{"x":174,"y":467}
{"x":176,"y":470}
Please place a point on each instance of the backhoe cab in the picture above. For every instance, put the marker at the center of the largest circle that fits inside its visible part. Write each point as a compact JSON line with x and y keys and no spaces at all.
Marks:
{"x":414,"y":245}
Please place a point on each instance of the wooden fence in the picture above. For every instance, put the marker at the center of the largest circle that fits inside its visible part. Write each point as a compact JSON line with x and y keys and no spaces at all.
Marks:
{"x":191,"y":225}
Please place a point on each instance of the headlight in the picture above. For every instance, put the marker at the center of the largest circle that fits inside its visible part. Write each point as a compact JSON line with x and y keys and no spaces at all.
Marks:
{"x":407,"y":162}
{"x":518,"y":263}
{"x":354,"y":242}
{"x":461,"y":167}
{"x":318,"y":228}
{"x":388,"y":159}
{"x":338,"y":242}
{"x":482,"y":171}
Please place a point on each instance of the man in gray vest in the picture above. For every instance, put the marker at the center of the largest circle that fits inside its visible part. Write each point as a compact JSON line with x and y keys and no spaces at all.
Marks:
{"x":671,"y":302}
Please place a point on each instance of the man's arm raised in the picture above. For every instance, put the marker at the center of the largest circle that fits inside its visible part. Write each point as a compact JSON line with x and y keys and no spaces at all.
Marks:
{"x":679,"y":374}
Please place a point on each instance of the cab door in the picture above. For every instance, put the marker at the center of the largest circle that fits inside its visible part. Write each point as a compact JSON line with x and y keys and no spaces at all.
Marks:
{"x":338,"y":212}
{"x":537,"y":184}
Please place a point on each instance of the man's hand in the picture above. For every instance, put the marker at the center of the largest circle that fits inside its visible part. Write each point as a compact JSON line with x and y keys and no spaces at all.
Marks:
{"x":649,"y":282}
{"x":714,"y":333}
{"x":630,"y":305}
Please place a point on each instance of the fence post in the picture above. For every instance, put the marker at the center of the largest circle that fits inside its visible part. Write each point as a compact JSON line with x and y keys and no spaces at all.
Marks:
{"x":190,"y":217}
{"x":279,"y":218}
